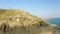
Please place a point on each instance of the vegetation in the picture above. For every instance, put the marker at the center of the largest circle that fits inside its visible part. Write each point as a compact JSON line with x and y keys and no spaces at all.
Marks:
{"x":14,"y":21}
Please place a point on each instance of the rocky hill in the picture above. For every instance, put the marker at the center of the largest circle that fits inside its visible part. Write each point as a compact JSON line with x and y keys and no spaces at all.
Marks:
{"x":15,"y":21}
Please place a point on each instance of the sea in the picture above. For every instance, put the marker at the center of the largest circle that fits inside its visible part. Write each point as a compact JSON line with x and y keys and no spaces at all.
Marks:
{"x":55,"y":21}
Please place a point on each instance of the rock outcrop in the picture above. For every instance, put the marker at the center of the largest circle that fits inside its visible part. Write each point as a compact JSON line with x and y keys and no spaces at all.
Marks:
{"x":14,"y":21}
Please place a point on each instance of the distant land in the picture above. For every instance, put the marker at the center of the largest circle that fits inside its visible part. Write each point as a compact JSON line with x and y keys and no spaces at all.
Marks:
{"x":54,"y":21}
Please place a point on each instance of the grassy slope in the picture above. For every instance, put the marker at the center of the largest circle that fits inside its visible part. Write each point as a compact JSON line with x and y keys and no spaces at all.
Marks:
{"x":27,"y":24}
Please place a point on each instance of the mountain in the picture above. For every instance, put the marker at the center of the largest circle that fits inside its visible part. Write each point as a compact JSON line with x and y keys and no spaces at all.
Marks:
{"x":15,"y":21}
{"x":54,"y":21}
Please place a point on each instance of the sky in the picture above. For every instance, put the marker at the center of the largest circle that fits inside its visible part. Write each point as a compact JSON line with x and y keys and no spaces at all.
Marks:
{"x":39,"y":8}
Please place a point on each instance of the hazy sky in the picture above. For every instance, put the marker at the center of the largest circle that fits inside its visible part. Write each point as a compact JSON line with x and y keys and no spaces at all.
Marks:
{"x":40,"y":8}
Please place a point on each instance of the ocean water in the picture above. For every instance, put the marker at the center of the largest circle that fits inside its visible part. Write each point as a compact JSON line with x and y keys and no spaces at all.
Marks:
{"x":55,"y":21}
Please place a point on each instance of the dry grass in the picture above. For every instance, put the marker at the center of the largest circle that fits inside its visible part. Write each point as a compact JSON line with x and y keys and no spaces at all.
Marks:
{"x":14,"y":21}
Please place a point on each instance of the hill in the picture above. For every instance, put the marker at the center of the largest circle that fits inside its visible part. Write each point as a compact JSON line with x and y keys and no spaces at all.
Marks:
{"x":15,"y":21}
